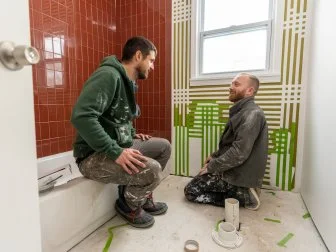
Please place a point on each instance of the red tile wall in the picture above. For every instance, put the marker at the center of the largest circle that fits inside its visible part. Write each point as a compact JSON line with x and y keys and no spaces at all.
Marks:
{"x":151,"y":19}
{"x":72,"y":37}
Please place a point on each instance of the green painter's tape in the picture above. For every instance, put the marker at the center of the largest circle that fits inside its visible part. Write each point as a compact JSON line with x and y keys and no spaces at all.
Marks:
{"x":109,"y":240}
{"x":217,"y":224}
{"x":272,"y":220}
{"x":306,"y":216}
{"x":285,"y":240}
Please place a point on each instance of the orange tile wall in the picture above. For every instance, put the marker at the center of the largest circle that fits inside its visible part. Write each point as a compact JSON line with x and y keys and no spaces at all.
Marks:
{"x":72,"y":37}
{"x":152,"y":19}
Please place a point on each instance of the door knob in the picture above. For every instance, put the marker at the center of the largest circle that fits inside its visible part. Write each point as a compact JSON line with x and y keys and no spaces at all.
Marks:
{"x":16,"y":57}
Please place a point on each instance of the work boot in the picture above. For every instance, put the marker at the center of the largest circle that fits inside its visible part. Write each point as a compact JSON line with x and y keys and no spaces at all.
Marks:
{"x":154,"y":208}
{"x":254,"y":203}
{"x":121,"y":190}
{"x":137,"y":218}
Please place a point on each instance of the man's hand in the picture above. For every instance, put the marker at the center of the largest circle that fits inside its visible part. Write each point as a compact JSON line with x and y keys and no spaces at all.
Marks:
{"x":143,"y":137}
{"x":128,"y":160}
{"x":208,"y":159}
{"x":204,"y":170}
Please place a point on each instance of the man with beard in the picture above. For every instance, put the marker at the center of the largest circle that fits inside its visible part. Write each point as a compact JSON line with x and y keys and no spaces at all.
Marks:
{"x":107,"y":149}
{"x":237,"y":168}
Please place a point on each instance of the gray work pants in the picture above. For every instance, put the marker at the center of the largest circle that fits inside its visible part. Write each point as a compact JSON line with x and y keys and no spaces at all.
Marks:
{"x":138,"y":186}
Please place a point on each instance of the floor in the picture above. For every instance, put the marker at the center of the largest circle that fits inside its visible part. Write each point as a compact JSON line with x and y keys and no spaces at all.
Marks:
{"x":185,"y":220}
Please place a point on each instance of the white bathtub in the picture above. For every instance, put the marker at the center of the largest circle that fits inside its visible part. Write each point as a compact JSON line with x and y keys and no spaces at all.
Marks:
{"x":73,"y":210}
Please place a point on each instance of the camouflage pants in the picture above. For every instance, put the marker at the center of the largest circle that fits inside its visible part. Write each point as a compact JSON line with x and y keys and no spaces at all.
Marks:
{"x":212,"y":189}
{"x":138,"y":186}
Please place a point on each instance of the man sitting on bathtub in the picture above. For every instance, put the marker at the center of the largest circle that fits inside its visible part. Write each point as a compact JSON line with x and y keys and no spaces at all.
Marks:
{"x":107,"y":149}
{"x":237,"y":168}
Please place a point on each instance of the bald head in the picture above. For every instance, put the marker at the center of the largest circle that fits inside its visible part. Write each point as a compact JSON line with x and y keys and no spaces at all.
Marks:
{"x":242,"y":86}
{"x":253,"y":81}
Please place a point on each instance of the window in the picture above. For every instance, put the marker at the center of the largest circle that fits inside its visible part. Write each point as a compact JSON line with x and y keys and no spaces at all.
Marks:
{"x":235,"y":36}
{"x":53,"y":54}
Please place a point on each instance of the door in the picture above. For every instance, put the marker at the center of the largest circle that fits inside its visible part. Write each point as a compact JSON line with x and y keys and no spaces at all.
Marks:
{"x":319,"y":159}
{"x":19,"y":212}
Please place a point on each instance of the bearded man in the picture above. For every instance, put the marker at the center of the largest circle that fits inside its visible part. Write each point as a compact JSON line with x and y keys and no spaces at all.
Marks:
{"x":237,"y":168}
{"x":107,"y":148}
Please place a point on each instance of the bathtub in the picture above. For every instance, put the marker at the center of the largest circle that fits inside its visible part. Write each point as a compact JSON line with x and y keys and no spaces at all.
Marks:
{"x":75,"y":207}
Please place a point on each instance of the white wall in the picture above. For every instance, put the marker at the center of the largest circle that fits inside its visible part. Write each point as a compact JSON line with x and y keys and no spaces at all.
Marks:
{"x":319,"y":156}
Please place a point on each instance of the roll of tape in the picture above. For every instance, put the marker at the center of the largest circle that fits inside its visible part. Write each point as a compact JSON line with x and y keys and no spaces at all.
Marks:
{"x":191,"y":246}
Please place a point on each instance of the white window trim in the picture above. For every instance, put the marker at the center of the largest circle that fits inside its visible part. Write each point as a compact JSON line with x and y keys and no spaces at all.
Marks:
{"x":274,"y":61}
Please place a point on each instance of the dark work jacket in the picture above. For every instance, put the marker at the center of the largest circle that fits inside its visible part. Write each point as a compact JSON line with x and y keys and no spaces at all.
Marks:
{"x":242,"y":154}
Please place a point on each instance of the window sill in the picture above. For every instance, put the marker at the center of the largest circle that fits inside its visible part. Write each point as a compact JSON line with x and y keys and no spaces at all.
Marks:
{"x":227,"y":79}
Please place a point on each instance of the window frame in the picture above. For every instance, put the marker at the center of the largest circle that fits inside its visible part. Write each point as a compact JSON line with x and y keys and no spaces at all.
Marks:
{"x":273,"y":57}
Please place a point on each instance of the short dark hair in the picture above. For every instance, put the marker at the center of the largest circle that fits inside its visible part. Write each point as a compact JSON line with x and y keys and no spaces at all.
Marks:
{"x":137,"y":43}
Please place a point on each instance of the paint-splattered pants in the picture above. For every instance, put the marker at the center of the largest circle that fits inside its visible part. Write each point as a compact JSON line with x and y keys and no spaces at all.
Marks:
{"x":138,"y":186}
{"x":212,"y":189}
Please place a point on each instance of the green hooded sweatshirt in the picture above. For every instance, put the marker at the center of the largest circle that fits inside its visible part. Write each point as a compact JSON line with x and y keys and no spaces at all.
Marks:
{"x":104,"y":112}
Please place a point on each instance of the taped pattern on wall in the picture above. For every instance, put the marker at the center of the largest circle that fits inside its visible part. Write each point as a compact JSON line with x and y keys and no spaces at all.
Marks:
{"x":200,"y":112}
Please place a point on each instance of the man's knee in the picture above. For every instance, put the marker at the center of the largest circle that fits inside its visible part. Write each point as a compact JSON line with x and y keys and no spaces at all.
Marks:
{"x":154,"y":168}
{"x":189,"y":189}
{"x":186,"y":190}
{"x":189,"y":192}
{"x":166,"y":145}
{"x":163,"y":145}
{"x":153,"y":165}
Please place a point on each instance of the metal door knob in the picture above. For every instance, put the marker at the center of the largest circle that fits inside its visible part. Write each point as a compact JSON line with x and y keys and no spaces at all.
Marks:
{"x":16,"y":57}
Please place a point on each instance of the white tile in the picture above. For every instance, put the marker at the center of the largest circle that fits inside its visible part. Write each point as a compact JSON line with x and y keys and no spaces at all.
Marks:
{"x":185,"y":220}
